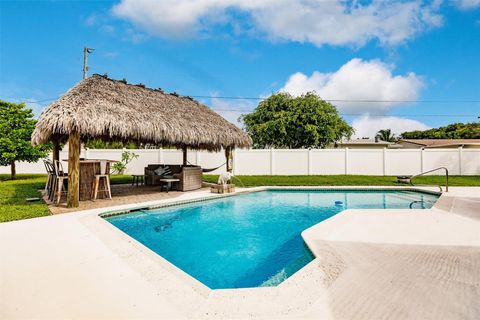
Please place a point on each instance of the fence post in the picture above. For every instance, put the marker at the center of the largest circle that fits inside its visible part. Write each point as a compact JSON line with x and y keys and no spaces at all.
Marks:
{"x":309,"y":162}
{"x":460,"y":159}
{"x":272,"y":162}
{"x":234,"y":169}
{"x":384,"y":161}
{"x":421,"y":159}
{"x":197,"y":157}
{"x":160,"y":155}
{"x":346,"y":160}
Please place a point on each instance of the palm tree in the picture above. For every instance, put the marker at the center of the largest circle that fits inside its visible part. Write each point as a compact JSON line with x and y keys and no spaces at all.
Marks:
{"x":386,"y":135}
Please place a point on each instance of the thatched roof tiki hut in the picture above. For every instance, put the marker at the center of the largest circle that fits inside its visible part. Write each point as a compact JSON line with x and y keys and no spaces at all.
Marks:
{"x":112,"y":110}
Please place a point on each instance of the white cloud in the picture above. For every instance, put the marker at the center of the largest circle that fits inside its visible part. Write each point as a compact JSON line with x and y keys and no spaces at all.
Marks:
{"x":91,"y":20}
{"x":467,"y":4}
{"x":358,"y":80}
{"x":367,"y":126}
{"x":232,"y":109}
{"x":335,"y":22}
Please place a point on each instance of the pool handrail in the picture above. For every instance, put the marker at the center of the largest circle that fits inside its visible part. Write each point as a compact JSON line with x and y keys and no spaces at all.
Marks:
{"x":436,"y":169}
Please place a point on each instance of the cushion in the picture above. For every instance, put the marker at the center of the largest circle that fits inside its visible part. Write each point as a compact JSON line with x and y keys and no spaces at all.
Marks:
{"x":159,"y":172}
{"x":163,"y":171}
{"x":167,"y":171}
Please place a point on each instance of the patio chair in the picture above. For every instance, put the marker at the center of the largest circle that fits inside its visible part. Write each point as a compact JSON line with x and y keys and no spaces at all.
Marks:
{"x":61,"y":180}
{"x":50,"y":178}
{"x":106,"y":178}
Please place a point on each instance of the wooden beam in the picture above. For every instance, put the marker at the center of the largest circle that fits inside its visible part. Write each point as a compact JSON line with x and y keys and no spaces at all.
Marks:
{"x":184,"y":149}
{"x":229,"y":158}
{"x":56,"y":151}
{"x":73,"y":170}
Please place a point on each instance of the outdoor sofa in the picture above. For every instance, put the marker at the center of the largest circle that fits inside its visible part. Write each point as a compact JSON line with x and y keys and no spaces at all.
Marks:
{"x":190,"y":177}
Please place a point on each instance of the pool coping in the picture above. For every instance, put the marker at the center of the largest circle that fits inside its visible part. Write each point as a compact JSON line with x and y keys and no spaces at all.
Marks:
{"x":173,"y":202}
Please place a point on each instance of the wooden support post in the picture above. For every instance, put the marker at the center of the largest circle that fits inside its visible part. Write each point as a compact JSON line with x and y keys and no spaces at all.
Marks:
{"x":184,"y":149}
{"x":73,"y":170}
{"x":229,"y":158}
{"x":56,"y":151}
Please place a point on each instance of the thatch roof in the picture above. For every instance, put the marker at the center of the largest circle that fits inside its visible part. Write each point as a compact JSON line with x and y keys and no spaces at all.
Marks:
{"x":102,"y":108}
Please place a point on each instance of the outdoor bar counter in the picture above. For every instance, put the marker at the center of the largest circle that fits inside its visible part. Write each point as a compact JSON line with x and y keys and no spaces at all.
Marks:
{"x":88,"y":169}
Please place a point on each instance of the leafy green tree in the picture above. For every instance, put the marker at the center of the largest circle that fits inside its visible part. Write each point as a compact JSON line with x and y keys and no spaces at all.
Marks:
{"x":386,"y":135}
{"x":99,"y":144}
{"x":451,"y":131}
{"x":284,"y":121}
{"x":16,"y":128}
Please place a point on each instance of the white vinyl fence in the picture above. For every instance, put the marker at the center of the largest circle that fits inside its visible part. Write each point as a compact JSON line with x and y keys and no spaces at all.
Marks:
{"x":390,"y":162}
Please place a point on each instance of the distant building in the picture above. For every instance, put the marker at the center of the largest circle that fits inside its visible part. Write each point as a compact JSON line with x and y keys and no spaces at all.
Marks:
{"x":365,"y":143}
{"x":438,"y":143}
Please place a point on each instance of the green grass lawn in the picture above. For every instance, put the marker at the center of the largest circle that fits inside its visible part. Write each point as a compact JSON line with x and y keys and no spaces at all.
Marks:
{"x":13,"y":193}
{"x":344,"y":180}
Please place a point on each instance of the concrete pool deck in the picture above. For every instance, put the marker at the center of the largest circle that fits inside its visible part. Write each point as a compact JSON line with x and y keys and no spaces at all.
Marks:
{"x":381,"y":263}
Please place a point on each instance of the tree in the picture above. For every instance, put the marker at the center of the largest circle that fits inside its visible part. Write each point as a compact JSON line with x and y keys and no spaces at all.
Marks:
{"x":451,"y":131}
{"x":386,"y":135}
{"x":284,"y":121}
{"x":16,"y":128}
{"x":99,"y":144}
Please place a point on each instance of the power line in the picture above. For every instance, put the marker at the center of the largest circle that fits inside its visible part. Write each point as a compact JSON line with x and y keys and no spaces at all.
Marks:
{"x":344,"y":100}
{"x":410,"y":115}
{"x":330,"y":100}
{"x":33,"y":101}
{"x":372,"y":115}
{"x":43,"y":100}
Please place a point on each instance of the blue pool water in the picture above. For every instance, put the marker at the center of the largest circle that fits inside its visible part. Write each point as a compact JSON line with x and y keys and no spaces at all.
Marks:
{"x":249,"y":240}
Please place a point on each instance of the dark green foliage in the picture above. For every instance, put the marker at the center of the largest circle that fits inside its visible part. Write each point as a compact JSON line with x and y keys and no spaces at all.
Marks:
{"x":99,"y":144}
{"x":16,"y":128}
{"x":284,"y":121}
{"x":452,"y":131}
{"x":386,"y":135}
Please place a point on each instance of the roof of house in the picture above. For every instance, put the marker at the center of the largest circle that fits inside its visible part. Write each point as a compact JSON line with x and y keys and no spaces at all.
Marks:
{"x":102,"y":108}
{"x":364,"y":141}
{"x":436,"y":143}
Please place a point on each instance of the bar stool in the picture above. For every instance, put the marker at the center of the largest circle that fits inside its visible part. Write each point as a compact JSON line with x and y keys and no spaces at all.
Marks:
{"x":103,"y":175}
{"x":60,"y":178}
{"x":50,"y":179}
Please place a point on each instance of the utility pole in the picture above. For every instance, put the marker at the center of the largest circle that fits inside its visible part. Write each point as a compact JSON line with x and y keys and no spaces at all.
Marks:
{"x":86,"y":51}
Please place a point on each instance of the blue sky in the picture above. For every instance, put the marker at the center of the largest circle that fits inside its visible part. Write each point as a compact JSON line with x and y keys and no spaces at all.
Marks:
{"x":424,"y":52}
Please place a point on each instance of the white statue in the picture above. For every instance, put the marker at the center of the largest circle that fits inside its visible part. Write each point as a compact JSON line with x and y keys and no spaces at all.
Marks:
{"x":225,"y":178}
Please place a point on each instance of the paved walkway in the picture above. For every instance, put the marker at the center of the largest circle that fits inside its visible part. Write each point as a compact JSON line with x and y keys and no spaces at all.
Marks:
{"x":121,"y":194}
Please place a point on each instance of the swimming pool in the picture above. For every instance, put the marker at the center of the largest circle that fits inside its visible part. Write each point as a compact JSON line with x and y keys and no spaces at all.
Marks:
{"x":253,"y":239}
